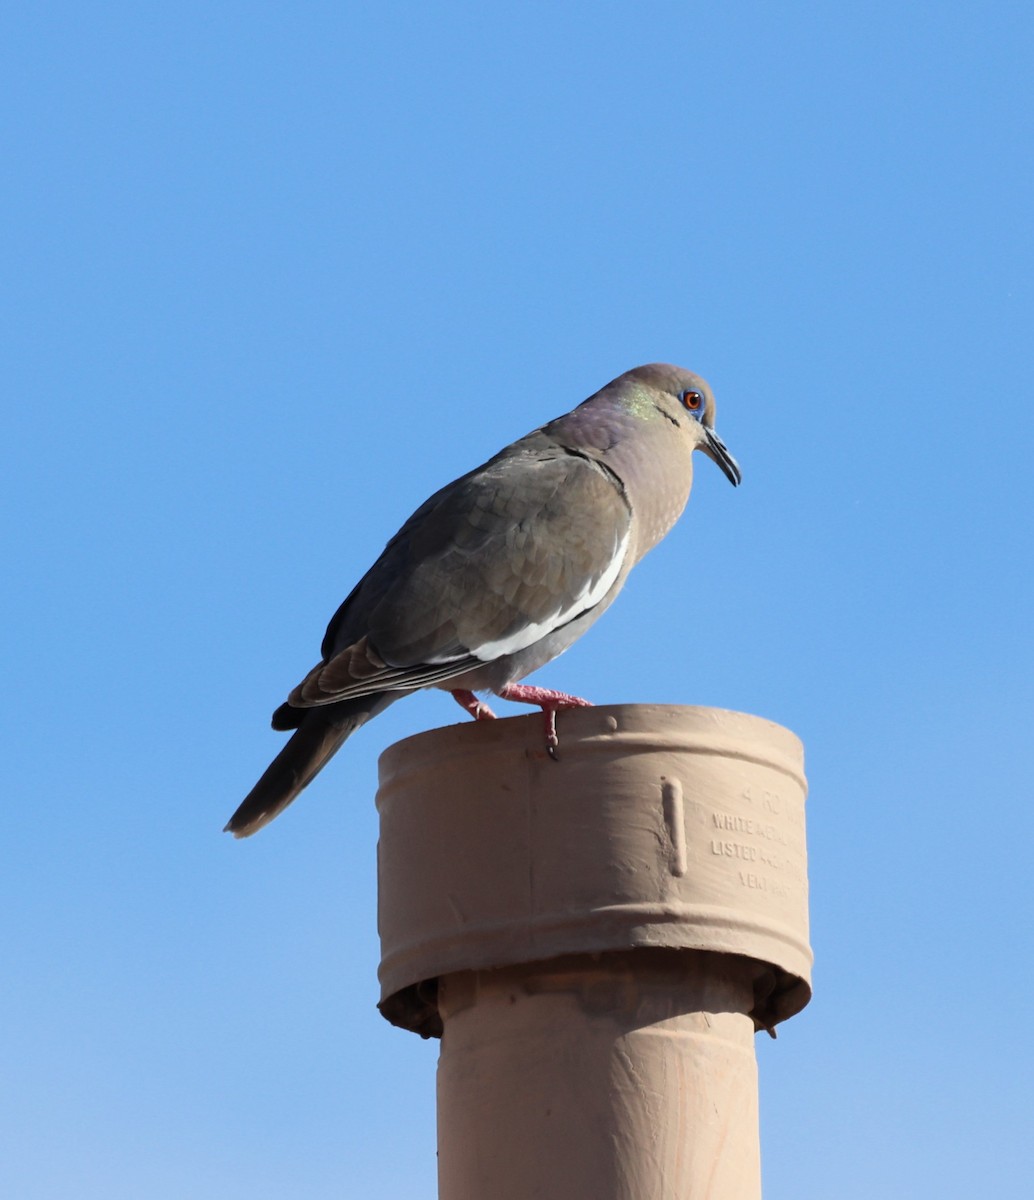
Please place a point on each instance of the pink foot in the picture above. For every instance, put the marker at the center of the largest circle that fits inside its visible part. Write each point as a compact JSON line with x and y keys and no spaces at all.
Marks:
{"x":550,"y":702}
{"x":478,"y":709}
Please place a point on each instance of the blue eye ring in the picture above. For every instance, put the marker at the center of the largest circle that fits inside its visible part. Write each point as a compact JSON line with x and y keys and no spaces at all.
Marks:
{"x":692,"y":401}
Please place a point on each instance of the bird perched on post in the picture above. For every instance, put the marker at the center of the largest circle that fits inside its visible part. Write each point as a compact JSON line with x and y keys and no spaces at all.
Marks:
{"x":501,"y":571}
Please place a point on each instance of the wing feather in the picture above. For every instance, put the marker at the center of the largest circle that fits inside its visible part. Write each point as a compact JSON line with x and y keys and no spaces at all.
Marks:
{"x":489,"y":565}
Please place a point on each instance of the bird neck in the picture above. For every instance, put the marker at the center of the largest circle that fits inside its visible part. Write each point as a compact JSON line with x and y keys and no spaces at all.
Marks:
{"x":648,"y":452}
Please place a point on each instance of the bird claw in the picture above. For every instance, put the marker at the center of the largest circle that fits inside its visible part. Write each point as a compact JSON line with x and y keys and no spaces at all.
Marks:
{"x":478,"y":709}
{"x":552,"y":739}
{"x":550,"y":702}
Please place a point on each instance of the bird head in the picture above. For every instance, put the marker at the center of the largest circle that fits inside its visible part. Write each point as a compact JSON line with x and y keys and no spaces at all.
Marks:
{"x":685,"y":400}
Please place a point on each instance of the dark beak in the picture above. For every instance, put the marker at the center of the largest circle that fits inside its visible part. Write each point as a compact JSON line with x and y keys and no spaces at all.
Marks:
{"x":714,"y":448}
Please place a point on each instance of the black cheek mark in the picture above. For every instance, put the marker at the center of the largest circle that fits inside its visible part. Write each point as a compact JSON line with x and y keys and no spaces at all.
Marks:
{"x":667,"y":416}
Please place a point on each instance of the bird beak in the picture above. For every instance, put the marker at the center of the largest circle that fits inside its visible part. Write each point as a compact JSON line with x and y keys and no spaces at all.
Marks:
{"x":714,"y":447}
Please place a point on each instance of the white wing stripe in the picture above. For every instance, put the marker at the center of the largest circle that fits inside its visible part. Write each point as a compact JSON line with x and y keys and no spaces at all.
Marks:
{"x":530,"y":634}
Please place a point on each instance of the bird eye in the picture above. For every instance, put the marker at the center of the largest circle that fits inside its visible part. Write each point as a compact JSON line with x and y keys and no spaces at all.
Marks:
{"x":692,"y":400}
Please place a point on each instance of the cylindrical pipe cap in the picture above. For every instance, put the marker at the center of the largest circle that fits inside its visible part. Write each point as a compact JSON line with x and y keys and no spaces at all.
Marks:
{"x":659,"y":826}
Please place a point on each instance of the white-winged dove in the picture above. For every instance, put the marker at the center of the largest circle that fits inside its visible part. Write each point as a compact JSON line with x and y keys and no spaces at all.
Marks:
{"x":501,"y":570}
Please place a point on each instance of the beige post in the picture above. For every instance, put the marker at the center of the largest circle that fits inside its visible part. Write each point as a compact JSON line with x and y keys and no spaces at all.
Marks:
{"x":596,"y":941}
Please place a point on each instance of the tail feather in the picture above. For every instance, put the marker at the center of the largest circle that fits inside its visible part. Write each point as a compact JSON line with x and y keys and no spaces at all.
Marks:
{"x":309,"y":749}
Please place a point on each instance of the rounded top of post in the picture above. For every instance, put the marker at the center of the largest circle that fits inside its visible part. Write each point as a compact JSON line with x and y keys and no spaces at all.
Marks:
{"x":635,"y":727}
{"x":661,"y":826}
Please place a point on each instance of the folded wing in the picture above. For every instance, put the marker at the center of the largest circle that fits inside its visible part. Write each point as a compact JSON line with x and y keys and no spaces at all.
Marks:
{"x":488,"y":566}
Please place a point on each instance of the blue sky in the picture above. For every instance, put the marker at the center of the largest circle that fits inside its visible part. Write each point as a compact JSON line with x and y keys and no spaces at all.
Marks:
{"x":272,"y":274}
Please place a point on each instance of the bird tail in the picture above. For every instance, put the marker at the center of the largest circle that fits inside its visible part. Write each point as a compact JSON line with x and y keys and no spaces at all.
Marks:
{"x":318,"y":737}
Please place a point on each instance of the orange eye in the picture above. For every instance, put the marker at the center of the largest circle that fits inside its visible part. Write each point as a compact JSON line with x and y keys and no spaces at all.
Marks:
{"x":693,"y":401}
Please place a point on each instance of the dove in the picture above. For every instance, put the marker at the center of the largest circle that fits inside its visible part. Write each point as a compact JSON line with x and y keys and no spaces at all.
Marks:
{"x":501,"y":570}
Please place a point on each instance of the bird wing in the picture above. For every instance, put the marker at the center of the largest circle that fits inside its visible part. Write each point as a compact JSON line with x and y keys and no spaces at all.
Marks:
{"x":488,"y":566}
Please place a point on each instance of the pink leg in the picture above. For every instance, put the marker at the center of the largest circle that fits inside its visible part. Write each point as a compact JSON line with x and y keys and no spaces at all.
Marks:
{"x":549,"y":701}
{"x":478,"y":709}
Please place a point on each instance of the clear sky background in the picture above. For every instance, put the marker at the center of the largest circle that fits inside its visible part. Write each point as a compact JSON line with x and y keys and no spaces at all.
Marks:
{"x":272,"y":273}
